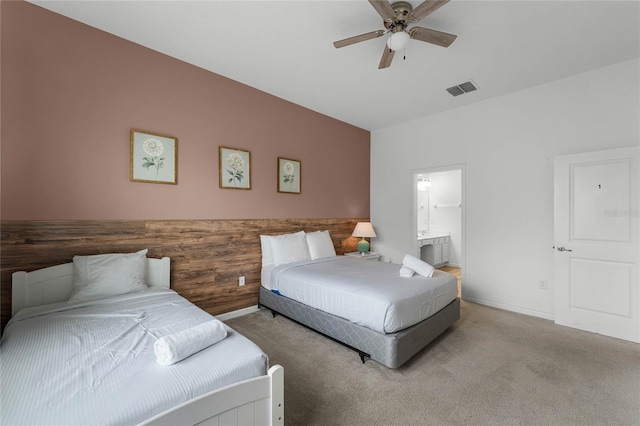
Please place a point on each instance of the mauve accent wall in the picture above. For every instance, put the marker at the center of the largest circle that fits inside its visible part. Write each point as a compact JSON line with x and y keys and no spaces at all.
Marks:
{"x":71,"y":94}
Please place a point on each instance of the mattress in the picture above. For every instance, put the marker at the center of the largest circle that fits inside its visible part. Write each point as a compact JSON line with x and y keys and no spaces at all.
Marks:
{"x":367,"y":293}
{"x":94,"y":363}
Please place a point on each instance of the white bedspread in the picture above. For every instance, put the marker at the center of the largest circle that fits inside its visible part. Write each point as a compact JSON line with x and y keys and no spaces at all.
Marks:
{"x":364,"y":292}
{"x":94,"y":364}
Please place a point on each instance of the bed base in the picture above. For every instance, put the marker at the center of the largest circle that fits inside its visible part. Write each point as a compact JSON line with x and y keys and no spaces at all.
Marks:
{"x":363,"y":355}
{"x":391,"y":350}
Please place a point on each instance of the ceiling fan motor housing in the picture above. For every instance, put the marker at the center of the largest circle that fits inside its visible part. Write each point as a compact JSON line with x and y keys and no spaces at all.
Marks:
{"x":403,"y":11}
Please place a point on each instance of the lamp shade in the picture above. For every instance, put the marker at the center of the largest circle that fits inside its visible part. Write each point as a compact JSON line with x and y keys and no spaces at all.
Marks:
{"x":364,"y":229}
{"x":398,"y":40}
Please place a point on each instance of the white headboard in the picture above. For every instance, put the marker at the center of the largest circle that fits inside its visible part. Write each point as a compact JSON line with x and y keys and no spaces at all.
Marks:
{"x":54,"y":284}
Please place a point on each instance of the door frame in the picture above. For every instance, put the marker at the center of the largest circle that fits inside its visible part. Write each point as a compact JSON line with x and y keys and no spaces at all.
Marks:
{"x":414,"y":214}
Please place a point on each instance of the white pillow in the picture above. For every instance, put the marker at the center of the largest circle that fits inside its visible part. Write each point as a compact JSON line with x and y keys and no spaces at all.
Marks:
{"x":419,"y":266}
{"x":108,"y":275}
{"x":320,"y":245}
{"x":287,"y":249}
{"x":265,"y":243}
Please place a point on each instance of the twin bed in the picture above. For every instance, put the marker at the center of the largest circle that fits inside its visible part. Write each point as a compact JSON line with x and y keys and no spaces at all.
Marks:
{"x":91,"y":360}
{"x":365,"y":305}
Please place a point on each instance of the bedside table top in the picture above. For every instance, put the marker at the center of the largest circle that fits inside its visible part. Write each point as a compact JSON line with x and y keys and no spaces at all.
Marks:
{"x":367,"y":255}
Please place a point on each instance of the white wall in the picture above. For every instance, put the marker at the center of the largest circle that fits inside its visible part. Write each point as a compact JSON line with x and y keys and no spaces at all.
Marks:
{"x":507,"y":145}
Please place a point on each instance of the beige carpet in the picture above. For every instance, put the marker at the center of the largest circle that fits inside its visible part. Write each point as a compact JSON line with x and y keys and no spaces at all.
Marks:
{"x":492,"y":367}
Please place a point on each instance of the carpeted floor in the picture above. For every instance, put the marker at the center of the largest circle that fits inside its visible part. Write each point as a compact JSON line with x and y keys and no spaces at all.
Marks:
{"x":492,"y":367}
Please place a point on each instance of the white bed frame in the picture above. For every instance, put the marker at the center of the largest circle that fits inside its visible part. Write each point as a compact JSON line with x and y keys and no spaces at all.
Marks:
{"x":252,"y":402}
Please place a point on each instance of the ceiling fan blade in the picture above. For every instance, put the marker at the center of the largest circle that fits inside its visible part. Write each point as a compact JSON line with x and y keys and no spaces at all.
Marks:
{"x":387,"y":57}
{"x":357,"y":39}
{"x":426,"y":8}
{"x":383,"y":7}
{"x":432,"y":36}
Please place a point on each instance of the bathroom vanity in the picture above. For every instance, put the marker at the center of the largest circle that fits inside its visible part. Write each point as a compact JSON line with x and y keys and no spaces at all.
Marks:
{"x":434,"y":248}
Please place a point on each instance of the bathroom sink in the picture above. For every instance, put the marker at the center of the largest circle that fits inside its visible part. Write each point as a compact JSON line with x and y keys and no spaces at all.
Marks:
{"x":433,"y":235}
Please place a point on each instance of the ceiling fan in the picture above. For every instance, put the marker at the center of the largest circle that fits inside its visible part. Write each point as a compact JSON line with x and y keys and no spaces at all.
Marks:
{"x":396,"y":18}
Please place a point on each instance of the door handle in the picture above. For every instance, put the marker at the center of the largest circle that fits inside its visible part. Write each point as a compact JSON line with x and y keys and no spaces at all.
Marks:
{"x":561,"y":248}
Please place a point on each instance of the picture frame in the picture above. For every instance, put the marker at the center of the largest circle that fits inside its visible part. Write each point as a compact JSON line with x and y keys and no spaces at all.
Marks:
{"x":289,"y":175}
{"x":235,"y":168}
{"x":153,"y":158}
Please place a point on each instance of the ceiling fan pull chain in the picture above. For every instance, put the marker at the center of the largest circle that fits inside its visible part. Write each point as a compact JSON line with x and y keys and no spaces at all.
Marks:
{"x":404,"y":54}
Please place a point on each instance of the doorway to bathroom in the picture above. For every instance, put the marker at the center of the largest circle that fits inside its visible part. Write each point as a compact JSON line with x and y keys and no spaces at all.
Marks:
{"x":439,"y":213}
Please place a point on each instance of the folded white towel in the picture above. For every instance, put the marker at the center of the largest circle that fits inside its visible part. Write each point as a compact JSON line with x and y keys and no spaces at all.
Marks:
{"x":406,"y":272}
{"x":420,"y":267}
{"x":178,"y":346}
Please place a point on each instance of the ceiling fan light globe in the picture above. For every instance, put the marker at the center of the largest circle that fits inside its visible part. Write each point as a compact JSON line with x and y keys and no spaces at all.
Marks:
{"x":398,"y":41}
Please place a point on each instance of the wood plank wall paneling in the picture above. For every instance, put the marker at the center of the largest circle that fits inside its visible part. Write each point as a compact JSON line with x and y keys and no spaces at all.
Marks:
{"x":207,"y":256}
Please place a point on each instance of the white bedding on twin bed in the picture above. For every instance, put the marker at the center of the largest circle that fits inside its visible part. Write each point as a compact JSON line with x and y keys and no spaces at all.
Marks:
{"x":368,"y":293}
{"x":88,"y":363}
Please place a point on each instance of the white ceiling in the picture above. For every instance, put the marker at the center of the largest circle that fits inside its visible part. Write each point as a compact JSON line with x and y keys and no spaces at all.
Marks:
{"x":285,"y":48}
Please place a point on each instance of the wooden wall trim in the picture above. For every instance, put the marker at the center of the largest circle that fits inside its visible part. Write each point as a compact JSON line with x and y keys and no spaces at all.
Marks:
{"x":207,"y":256}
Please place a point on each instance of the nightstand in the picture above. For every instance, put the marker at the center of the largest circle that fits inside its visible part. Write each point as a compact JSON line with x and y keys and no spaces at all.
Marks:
{"x":370,"y":255}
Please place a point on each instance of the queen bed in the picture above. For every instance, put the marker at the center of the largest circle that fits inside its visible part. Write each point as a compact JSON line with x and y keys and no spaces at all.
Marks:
{"x":71,"y":359}
{"x":365,"y":305}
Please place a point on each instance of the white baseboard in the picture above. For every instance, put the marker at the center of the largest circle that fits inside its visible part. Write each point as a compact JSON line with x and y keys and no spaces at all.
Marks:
{"x":512,"y":308}
{"x":238,"y":313}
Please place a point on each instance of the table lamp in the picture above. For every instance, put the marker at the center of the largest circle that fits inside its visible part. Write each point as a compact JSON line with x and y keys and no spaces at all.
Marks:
{"x":363,"y":229}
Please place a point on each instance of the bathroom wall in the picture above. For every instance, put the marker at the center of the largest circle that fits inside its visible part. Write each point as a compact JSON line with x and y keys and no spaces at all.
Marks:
{"x":439,"y":211}
{"x":444,"y":209}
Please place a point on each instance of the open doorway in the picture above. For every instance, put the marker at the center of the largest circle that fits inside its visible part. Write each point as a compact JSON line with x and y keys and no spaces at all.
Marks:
{"x":439,"y":212}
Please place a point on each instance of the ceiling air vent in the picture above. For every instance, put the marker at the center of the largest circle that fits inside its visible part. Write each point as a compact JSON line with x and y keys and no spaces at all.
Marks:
{"x":462,"y":88}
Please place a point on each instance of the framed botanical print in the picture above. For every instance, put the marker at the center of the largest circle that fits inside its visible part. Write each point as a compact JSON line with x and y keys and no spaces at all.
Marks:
{"x":235,"y":168}
{"x":153,"y":158}
{"x":289,"y":175}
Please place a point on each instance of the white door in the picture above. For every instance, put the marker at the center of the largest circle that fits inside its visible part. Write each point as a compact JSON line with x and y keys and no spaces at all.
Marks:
{"x":597,"y":236}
